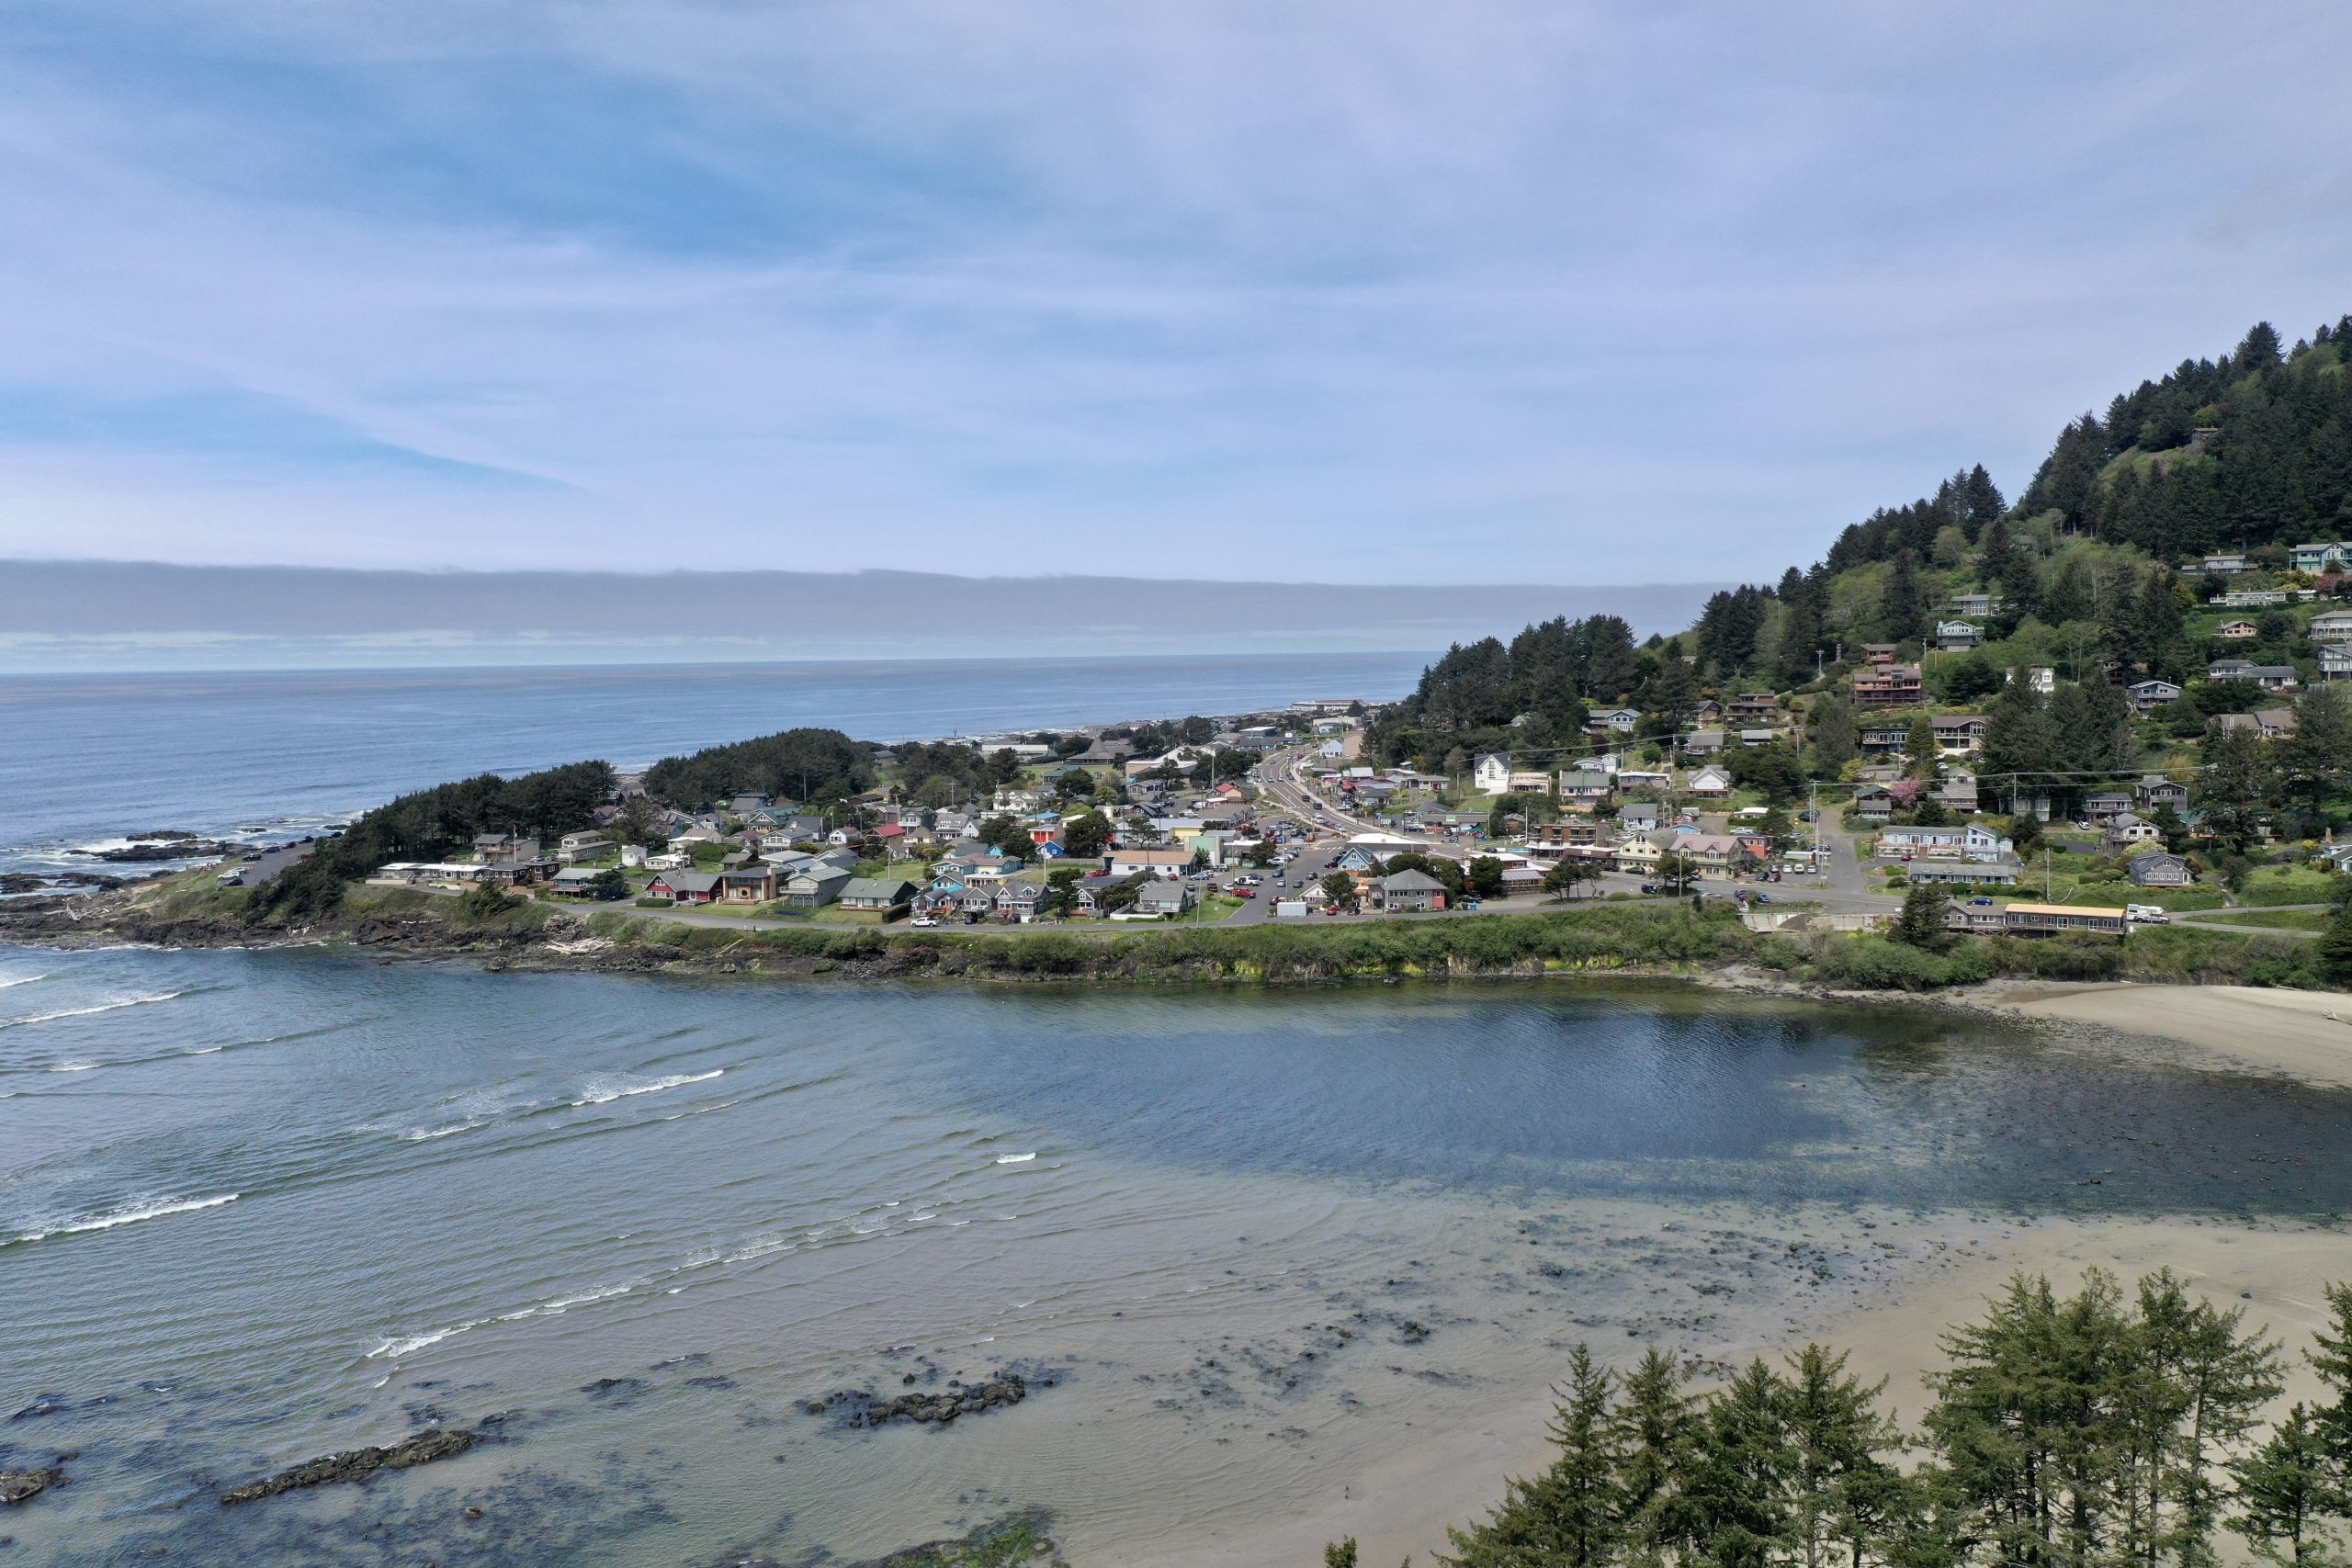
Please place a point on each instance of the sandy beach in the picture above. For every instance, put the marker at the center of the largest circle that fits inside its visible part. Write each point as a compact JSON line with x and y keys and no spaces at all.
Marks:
{"x":1403,"y":1504}
{"x":2298,"y":1032}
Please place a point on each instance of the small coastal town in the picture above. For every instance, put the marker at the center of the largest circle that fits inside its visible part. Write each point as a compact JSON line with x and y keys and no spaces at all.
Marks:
{"x":1819,"y":809}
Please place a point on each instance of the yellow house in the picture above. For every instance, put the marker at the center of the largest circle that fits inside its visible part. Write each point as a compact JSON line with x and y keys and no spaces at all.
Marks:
{"x":1639,"y":852}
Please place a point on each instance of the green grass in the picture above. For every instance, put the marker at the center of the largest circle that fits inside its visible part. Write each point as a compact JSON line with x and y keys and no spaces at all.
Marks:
{"x":2290,"y":885}
{"x":2281,"y":920}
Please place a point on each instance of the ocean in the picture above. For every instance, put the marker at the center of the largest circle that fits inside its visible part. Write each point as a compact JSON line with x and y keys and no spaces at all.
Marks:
{"x":263,"y":756}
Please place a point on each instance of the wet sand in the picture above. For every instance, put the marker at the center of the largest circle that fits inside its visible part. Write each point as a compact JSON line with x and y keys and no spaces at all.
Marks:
{"x":2305,"y":1033}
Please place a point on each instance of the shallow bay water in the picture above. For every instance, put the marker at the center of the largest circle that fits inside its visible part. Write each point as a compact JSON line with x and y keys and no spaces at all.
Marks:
{"x":260,"y":1206}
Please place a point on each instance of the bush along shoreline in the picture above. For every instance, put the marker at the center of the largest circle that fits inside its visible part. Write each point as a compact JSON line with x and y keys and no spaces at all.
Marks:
{"x":1614,"y":938}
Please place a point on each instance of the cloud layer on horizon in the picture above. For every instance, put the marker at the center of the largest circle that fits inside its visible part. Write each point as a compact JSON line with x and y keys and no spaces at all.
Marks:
{"x":1363,"y":292}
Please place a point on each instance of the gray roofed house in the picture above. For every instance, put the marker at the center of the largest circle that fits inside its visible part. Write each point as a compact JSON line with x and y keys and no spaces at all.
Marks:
{"x":685,"y":887}
{"x":813,"y":886}
{"x":1163,"y":895}
{"x":2156,"y":868}
{"x":876,"y":892}
{"x":1410,"y":889}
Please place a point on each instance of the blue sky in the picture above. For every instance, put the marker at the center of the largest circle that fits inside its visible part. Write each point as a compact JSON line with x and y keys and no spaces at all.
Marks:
{"x":1353,"y":292}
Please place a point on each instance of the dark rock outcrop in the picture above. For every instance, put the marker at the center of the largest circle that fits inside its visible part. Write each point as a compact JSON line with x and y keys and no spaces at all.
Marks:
{"x":358,"y":1464}
{"x":175,"y":848}
{"x":944,"y":1407}
{"x":24,"y":1486}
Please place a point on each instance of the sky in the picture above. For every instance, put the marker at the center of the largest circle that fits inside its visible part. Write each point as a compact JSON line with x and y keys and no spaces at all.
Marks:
{"x":1338,"y":290}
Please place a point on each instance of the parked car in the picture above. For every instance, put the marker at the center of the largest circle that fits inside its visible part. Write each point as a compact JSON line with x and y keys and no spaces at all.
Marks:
{"x":924,"y":920}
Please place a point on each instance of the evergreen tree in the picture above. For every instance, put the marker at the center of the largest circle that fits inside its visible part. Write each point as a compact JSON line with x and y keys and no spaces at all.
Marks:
{"x":1832,"y":730}
{"x":1657,"y":1427}
{"x":1921,"y":923}
{"x":1568,"y":1517}
{"x":1905,"y":604}
{"x":2288,"y":1496}
{"x":1919,"y":747}
{"x":2237,"y":790}
{"x":1739,"y":1485}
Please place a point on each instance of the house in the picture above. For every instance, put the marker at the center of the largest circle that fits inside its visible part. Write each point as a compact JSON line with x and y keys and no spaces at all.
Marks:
{"x":1757,"y":736}
{"x":1957,"y":792}
{"x":1755,"y":707}
{"x":2334,"y":660}
{"x":2318,"y":557}
{"x":2050,"y":919}
{"x":1022,"y":901}
{"x":748,"y":884}
{"x":1709,"y":783}
{"x":1709,"y":851}
{"x":2274,"y":723}
{"x":670,"y":860}
{"x":2147,"y":696}
{"x":573,"y":848}
{"x":1491,"y":772}
{"x":1570,"y":833}
{"x":1123,"y":862}
{"x":2103,"y":804}
{"x":2237,"y":631}
{"x":2155,"y":868}
{"x":2252,"y":598}
{"x":2155,"y":792}
{"x":2271,"y":677}
{"x":2230,"y":670}
{"x":493,"y":849}
{"x":1582,"y":791}
{"x":2041,"y":678}
{"x":1886,"y":685}
{"x":684,"y":886}
{"x":1527,"y":782}
{"x":1882,"y":739}
{"x":2002,"y":872}
{"x":576,"y":878}
{"x":1972,"y":919}
{"x":2224,"y":566}
{"x":813,"y":886}
{"x":1980,"y":604}
{"x":1161,"y":899}
{"x":1617,"y":721}
{"x":1704,"y":742}
{"x":1958,"y":637}
{"x":1880,"y":652}
{"x":2330,"y":624}
{"x":1873,"y":802}
{"x":876,"y":893}
{"x":1410,"y":889}
{"x":2128,"y":828}
{"x":1959,"y":734}
{"x":1965,"y":841}
{"x":1637,"y":816}
{"x":744,"y":805}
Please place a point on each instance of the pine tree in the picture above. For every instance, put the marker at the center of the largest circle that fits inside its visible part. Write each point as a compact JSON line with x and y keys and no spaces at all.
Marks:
{"x":1921,"y":923}
{"x":1658,"y":1427}
{"x":2288,"y":1494}
{"x":1832,"y":730}
{"x":1905,"y":604}
{"x":1570,"y":1516}
{"x":1741,"y":1514}
{"x":1919,"y":747}
{"x":1842,"y":1492}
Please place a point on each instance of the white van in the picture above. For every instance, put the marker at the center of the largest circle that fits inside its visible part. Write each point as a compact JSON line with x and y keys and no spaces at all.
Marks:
{"x":2146,"y":914}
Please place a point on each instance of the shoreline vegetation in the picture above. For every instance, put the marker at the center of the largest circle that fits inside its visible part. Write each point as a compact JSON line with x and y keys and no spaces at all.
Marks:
{"x":1617,"y":937}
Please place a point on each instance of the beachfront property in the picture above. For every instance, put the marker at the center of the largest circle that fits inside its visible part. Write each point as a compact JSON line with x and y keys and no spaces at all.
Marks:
{"x":1410,"y":889}
{"x":2035,"y":919}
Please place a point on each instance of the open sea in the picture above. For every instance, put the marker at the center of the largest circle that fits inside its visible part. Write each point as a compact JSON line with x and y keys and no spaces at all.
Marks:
{"x":1244,"y":1247}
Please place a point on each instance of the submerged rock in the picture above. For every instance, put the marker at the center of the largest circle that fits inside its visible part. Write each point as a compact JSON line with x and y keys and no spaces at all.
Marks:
{"x":24,"y":1486}
{"x":358,"y":1464}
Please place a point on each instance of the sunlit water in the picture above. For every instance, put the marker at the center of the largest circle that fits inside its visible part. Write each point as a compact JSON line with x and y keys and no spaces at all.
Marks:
{"x":255,"y":1207}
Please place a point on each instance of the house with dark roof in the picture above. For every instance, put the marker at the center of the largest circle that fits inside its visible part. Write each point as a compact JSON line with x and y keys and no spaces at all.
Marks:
{"x":1410,"y":889}
{"x":2156,"y":868}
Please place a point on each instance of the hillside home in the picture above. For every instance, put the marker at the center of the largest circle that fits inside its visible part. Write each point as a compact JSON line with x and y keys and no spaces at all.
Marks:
{"x":2237,"y":631}
{"x":1491,"y":772}
{"x":2230,"y":670}
{"x":1755,"y":707}
{"x":748,"y":884}
{"x":2224,"y":566}
{"x":2155,"y":868}
{"x":2147,"y":696}
{"x":2126,"y":829}
{"x":1525,"y":781}
{"x":1959,"y":734}
{"x":1961,"y":842}
{"x":2102,"y":803}
{"x":2273,"y":724}
{"x":2272,"y":676}
{"x":1637,"y":816}
{"x":573,"y":848}
{"x":2334,"y":660}
{"x":813,"y":886}
{"x":1615,"y":721}
{"x":2330,"y":624}
{"x":684,"y":886}
{"x":1958,"y":637}
{"x":1885,"y":739}
{"x":1886,"y":686}
{"x":1702,"y":743}
{"x":1582,"y":791}
{"x":1880,"y":652}
{"x":1572,"y":832}
{"x":1957,"y":792}
{"x":2155,"y":792}
{"x":2318,"y":557}
{"x":1980,"y":604}
{"x":2043,"y":678}
{"x":1709,"y":783}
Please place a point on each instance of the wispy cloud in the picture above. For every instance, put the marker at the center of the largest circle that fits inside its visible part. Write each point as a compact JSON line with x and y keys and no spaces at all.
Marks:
{"x":1354,"y":292}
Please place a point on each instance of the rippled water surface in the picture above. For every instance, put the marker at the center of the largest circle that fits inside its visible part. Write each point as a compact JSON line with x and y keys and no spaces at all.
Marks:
{"x":259,"y":1206}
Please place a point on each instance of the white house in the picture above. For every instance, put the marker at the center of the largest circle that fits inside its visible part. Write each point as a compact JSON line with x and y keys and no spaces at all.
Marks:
{"x":1709,"y":783}
{"x":1491,"y":772}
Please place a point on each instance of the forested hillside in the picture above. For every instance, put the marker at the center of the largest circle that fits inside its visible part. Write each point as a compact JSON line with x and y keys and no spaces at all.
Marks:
{"x":2249,"y":453}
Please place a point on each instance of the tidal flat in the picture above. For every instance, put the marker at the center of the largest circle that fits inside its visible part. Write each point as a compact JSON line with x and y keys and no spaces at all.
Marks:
{"x":1269,"y":1267}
